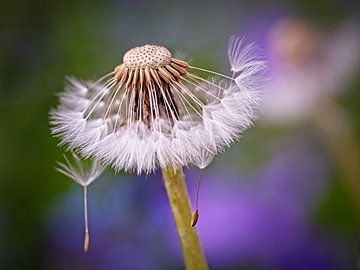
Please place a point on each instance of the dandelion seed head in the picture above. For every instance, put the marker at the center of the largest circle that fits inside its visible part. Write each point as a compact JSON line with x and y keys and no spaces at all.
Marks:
{"x":154,"y":111}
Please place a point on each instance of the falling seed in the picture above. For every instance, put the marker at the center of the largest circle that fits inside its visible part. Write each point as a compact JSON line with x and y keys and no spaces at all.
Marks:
{"x":83,"y":174}
{"x":194,"y":217}
{"x":195,"y":214}
{"x":86,"y":242}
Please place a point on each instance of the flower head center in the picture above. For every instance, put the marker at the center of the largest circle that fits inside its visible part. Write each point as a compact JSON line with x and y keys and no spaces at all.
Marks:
{"x":149,"y":72}
{"x":149,"y":65}
{"x":152,"y":56}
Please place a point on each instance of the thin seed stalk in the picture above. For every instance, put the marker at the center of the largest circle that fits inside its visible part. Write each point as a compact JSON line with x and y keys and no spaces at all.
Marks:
{"x":179,"y":202}
{"x":86,"y":224}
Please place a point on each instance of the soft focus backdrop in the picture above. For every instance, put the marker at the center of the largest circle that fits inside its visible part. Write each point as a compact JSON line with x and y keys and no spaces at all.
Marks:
{"x":287,"y":196}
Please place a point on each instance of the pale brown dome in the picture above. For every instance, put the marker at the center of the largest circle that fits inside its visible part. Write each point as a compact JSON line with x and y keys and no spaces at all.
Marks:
{"x":147,"y":56}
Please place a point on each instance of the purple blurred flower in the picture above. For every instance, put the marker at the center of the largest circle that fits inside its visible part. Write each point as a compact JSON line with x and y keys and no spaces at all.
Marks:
{"x":309,"y":63}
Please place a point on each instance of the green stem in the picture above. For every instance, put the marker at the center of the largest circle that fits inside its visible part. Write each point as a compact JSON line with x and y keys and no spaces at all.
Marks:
{"x":179,"y":201}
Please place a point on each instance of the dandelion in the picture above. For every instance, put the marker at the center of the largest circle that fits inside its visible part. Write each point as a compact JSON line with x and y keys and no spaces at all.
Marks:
{"x":155,"y":111}
{"x":82,"y":174}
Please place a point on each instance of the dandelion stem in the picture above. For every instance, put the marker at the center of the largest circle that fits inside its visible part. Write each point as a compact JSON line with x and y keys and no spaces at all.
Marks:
{"x":87,"y":235}
{"x":179,"y":201}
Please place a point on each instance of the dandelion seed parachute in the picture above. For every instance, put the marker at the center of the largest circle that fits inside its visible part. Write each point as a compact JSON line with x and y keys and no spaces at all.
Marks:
{"x":80,"y":172}
{"x":83,"y":174}
{"x":154,"y":111}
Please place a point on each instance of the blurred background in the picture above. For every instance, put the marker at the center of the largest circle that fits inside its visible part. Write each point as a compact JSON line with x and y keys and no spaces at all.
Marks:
{"x":287,"y":196}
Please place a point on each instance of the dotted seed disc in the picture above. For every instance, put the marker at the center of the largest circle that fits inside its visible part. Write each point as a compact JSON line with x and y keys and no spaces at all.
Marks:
{"x":152,"y":56}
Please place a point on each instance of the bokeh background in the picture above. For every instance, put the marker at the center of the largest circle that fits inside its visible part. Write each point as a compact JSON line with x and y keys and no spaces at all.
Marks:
{"x":287,"y":196}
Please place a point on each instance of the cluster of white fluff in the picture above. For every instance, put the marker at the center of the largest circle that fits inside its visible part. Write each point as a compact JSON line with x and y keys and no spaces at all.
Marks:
{"x":230,"y":107}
